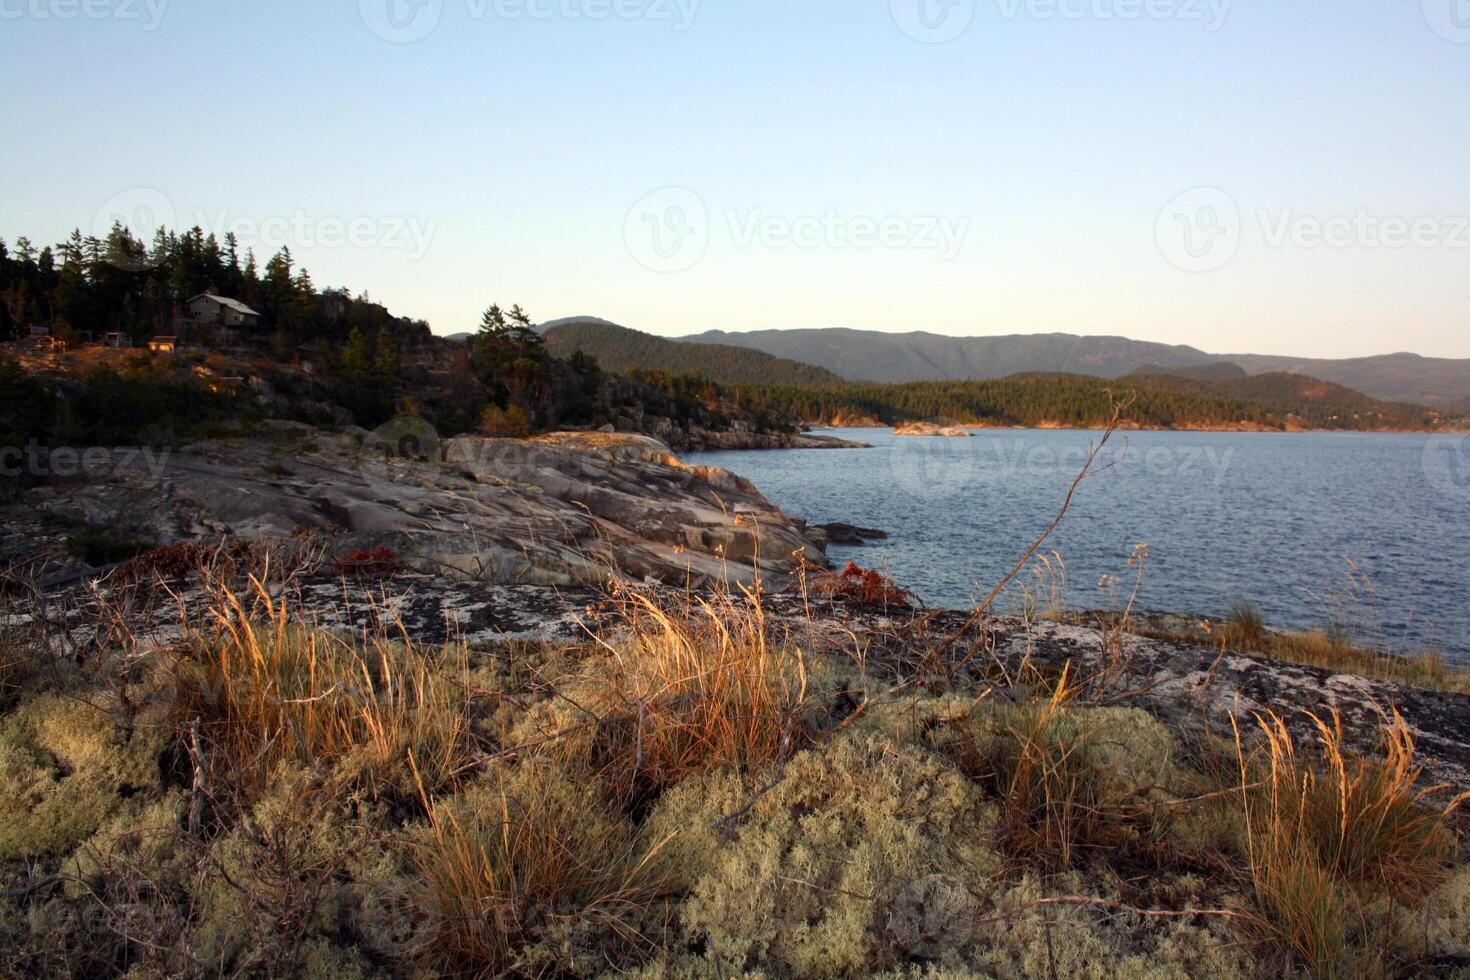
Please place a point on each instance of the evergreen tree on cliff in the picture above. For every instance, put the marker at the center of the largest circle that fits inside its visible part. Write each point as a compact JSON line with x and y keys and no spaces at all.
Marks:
{"x":511,"y":360}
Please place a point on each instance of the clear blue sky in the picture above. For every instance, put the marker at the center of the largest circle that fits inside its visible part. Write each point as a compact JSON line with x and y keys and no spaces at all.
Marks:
{"x":509,"y":157}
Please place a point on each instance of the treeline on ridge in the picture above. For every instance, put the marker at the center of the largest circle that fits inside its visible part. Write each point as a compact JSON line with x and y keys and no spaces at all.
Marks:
{"x":1268,"y":401}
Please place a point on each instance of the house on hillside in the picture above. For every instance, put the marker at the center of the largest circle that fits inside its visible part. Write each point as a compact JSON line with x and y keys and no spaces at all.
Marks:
{"x":209,"y":308}
{"x":117,"y":339}
{"x":39,"y":339}
{"x":163,"y":345}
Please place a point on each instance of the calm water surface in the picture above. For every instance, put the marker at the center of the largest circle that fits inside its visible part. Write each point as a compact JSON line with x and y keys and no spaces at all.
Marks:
{"x":1272,"y":518}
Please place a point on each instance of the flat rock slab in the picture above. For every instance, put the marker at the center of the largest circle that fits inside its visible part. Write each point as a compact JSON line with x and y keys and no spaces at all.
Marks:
{"x":565,"y":509}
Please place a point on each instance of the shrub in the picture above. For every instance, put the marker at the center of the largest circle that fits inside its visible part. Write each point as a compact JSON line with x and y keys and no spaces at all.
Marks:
{"x":505,"y":423}
{"x":861,"y":586}
{"x":378,"y":561}
{"x":17,"y":661}
{"x":102,"y":546}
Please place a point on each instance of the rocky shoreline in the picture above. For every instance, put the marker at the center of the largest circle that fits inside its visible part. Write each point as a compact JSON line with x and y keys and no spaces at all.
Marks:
{"x":561,"y":509}
{"x":494,"y":540}
{"x":1195,"y":691}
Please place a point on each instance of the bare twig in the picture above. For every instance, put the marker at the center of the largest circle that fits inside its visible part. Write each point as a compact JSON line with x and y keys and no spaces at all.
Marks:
{"x":1089,"y":470}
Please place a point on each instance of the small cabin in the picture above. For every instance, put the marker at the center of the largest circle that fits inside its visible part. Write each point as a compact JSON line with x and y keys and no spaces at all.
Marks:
{"x":164,"y":345}
{"x":209,"y":308}
{"x":40,"y":331}
{"x":117,"y":339}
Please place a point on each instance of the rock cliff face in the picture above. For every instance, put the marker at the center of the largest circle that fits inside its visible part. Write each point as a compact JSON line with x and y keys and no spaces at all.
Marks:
{"x":563,"y":509}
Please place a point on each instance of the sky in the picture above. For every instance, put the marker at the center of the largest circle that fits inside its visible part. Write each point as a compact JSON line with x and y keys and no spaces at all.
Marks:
{"x":1264,"y":177}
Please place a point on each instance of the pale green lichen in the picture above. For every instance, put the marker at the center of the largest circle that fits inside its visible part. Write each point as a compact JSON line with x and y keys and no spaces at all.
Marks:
{"x":66,"y":767}
{"x":282,"y":876}
{"x":1096,"y":942}
{"x":808,"y":883}
{"x":1447,"y":919}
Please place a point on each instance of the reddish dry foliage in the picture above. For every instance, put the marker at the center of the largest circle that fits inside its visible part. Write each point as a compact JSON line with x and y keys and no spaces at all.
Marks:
{"x":861,"y":586}
{"x":379,"y":561}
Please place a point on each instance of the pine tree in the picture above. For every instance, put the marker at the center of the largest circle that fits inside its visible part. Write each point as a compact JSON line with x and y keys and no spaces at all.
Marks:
{"x":386,"y":363}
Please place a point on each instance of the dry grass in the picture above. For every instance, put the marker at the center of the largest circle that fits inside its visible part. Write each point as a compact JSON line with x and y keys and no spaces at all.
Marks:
{"x":1038,"y":761}
{"x":12,"y":666}
{"x":1322,"y":649}
{"x":1334,"y":648}
{"x":685,"y":690}
{"x":1327,"y":837}
{"x":1043,"y":597}
{"x":680,"y":799}
{"x":530,"y":861}
{"x":268,"y":691}
{"x":1244,"y":628}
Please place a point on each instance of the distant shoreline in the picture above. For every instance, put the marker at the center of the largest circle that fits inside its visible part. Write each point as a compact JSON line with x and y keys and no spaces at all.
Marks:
{"x":1246,"y":429}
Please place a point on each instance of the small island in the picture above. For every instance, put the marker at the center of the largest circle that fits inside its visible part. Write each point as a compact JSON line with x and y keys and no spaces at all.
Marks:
{"x":922,"y":428}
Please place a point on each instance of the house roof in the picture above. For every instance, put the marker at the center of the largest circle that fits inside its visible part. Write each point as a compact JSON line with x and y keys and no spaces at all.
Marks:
{"x":225,"y":301}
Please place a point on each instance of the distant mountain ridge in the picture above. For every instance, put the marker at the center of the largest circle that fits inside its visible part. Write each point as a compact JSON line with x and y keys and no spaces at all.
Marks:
{"x":621,"y":350}
{"x":1212,"y":394}
{"x":866,"y":355}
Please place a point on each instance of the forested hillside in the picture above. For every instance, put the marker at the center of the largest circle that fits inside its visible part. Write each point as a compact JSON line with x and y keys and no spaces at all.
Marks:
{"x":1199,"y":395}
{"x":621,"y":350}
{"x":87,"y":285}
{"x":319,"y":357}
{"x":1322,"y":402}
{"x":1277,"y":402}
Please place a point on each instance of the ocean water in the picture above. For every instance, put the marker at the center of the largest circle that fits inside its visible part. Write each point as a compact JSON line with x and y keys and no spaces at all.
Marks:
{"x":1369,"y":530}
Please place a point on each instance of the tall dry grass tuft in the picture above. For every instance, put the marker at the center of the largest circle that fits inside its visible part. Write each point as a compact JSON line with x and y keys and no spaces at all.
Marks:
{"x":1244,"y":627}
{"x":1326,"y":837}
{"x":692,"y":688}
{"x":268,"y":691}
{"x":1043,"y":597}
{"x":530,"y":865}
{"x":1042,"y":769}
